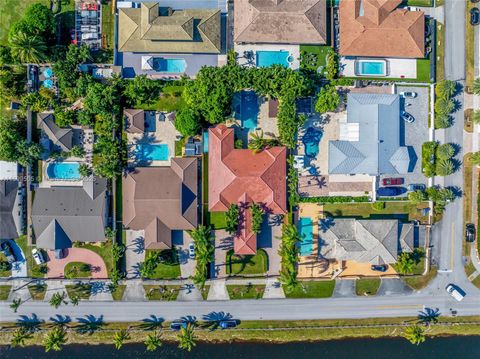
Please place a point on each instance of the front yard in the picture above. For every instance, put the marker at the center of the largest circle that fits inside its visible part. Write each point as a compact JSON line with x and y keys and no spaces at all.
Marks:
{"x":104,"y":250}
{"x":247,"y":265}
{"x":217,"y":220}
{"x":82,"y":290}
{"x":168,"y":267}
{"x":249,"y":291}
{"x":367,"y":286}
{"x":312,"y":289}
{"x":162,"y":292}
{"x":34,"y":270}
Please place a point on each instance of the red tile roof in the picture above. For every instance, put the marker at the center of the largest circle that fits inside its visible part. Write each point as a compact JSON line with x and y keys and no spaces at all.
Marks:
{"x":239,"y":176}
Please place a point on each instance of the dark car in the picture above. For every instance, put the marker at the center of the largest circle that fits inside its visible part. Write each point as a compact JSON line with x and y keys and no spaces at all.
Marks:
{"x":392,"y":181}
{"x":416,"y":187}
{"x":177,"y":325}
{"x":379,"y":267}
{"x":470,"y":232}
{"x":59,"y":253}
{"x":225,"y":324}
{"x":474,"y":16}
{"x":390,"y":191}
{"x":7,"y":250}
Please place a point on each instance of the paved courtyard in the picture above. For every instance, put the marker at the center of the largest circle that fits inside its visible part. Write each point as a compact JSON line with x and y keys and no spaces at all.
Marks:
{"x":56,"y":266}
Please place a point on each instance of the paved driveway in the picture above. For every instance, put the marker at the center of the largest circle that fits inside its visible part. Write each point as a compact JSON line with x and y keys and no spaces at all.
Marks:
{"x":344,"y":288}
{"x":181,"y":241}
{"x":134,"y":253}
{"x":56,"y":266}
{"x":19,"y":268}
{"x":393,"y":286}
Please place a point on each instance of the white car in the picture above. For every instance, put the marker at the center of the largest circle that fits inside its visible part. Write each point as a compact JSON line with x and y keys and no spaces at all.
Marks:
{"x":408,"y":94}
{"x":455,"y":292}
{"x":191,"y":250}
{"x":37,"y":256}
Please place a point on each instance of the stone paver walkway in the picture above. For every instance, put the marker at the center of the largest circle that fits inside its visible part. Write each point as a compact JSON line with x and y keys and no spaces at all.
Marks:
{"x":56,"y":266}
{"x":273,"y":289}
{"x":218,"y":291}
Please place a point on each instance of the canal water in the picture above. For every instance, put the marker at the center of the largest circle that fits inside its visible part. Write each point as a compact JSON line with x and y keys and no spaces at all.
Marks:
{"x":439,"y":348}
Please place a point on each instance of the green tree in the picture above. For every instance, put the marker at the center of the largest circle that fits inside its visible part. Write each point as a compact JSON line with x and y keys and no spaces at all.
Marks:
{"x":289,"y":256}
{"x":257,"y":217}
{"x":476,"y":116}
{"x":444,"y":107}
{"x":332,"y":65}
{"x":186,"y":122}
{"x":445,"y":89}
{"x":153,"y":341}
{"x":65,"y":117}
{"x":231,"y":217}
{"x":378,"y":206}
{"x":417,"y":197}
{"x":475,"y":158}
{"x":445,"y":151}
{"x":405,"y":263}
{"x":84,"y":170}
{"x":5,"y":55}
{"x":444,"y":167}
{"x":187,"y":338}
{"x":442,"y":121}
{"x":54,"y":339}
{"x":415,"y":334}
{"x":27,"y":48}
{"x":204,"y":250}
{"x":57,"y":299}
{"x":257,"y":142}
{"x":289,"y":281}
{"x":77,"y":151}
{"x":476,"y":86}
{"x":15,"y":304}
{"x":19,"y":336}
{"x":108,"y":161}
{"x":39,"y":20}
{"x":142,"y":90}
{"x":75,"y":300}
{"x":120,"y":337}
{"x":327,"y":99}
{"x":117,"y":251}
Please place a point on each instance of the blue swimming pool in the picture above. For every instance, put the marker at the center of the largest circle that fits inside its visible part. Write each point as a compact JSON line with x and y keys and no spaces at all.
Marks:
{"x":310,"y":140}
{"x":48,"y":83}
{"x":305,"y":227}
{"x":205,"y":142}
{"x":64,"y":171}
{"x":152,"y":152}
{"x":249,"y":110}
{"x":370,"y":68}
{"x":48,"y":73}
{"x":171,"y":65}
{"x":269,"y":58}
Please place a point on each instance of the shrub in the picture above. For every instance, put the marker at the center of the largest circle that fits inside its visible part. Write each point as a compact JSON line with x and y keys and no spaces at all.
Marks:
{"x":445,"y":167}
{"x":186,"y":122}
{"x":257,"y":217}
{"x":378,"y":206}
{"x":231,"y":218}
{"x":445,"y":151}
{"x":444,"y":107}
{"x":334,"y":199}
{"x":417,"y":196}
{"x":65,"y":117}
{"x":327,"y":99}
{"x":445,"y":89}
{"x":332,"y":65}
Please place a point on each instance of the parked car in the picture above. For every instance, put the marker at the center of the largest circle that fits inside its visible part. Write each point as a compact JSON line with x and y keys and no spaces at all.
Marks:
{"x":191,"y":251}
{"x":392,"y":181}
{"x":225,"y":324}
{"x":7,"y":251}
{"x":416,"y":187}
{"x":390,"y":191}
{"x":407,"y":117}
{"x":470,"y":232}
{"x":408,"y":94}
{"x":474,"y":1}
{"x":474,"y":16}
{"x":59,"y":253}
{"x":455,"y":292}
{"x":177,"y":325}
{"x":379,"y":267}
{"x":38,"y":256}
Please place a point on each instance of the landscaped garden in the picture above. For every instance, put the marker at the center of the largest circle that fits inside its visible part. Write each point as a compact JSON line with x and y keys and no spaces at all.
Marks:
{"x":103,"y":249}
{"x":237,"y":265}
{"x":162,"y":292}
{"x":37,"y":291}
{"x":249,"y":291}
{"x":80,"y":291}
{"x":312,"y":289}
{"x":367,"y":286}
{"x":5,"y":291}
{"x":117,"y":293}
{"x":77,"y":270}
{"x":312,"y":56}
{"x":161,"y":264}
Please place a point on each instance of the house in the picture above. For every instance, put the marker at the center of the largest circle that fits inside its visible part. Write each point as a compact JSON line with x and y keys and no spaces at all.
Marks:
{"x":8,"y":170}
{"x":160,"y":200}
{"x":239,"y":176}
{"x":155,"y":29}
{"x":280,"y":22}
{"x":67,"y":214}
{"x":377,"y":28}
{"x":369,"y":141}
{"x":57,"y":138}
{"x":11,"y":209}
{"x":367,"y":241}
{"x":134,"y":120}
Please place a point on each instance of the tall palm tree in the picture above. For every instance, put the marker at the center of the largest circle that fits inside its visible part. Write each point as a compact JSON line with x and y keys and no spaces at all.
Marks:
{"x":257,"y":143}
{"x":415,"y":334}
{"x":120,"y":337}
{"x":55,"y":339}
{"x":475,"y":158}
{"x":15,"y":304}
{"x":476,"y":86}
{"x":187,"y":338}
{"x":57,"y":299}
{"x":153,"y":341}
{"x":28,"y":48}
{"x":19,"y":337}
{"x":405,"y":263}
{"x":289,"y":281}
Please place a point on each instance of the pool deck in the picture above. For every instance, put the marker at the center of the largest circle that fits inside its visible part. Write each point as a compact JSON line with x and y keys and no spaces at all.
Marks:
{"x":397,"y":68}
{"x":294,"y":51}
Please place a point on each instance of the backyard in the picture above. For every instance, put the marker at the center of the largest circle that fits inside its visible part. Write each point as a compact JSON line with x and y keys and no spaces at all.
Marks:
{"x":107,"y":26}
{"x":247,"y":265}
{"x":312,"y":56}
{"x":312,"y":289}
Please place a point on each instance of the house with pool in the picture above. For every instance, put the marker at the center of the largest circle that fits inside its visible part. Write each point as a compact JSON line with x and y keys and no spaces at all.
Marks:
{"x":239,"y":176}
{"x":269,"y":32}
{"x":161,"y":41}
{"x":380,"y":40}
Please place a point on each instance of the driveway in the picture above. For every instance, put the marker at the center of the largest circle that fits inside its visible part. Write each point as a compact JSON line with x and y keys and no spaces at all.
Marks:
{"x":181,"y":240}
{"x":393,"y":286}
{"x":56,"y":266}
{"x":134,"y":253}
{"x":19,"y":268}
{"x":344,"y":288}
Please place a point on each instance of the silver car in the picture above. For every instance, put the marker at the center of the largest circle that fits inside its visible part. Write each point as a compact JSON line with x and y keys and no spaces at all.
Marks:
{"x":407,"y":117}
{"x":191,"y":251}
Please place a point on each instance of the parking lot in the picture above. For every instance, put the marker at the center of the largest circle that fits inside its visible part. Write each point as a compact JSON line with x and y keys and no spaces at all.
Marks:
{"x":414,"y":134}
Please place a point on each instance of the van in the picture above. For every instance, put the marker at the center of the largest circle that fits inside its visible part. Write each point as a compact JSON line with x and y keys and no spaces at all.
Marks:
{"x":455,"y":292}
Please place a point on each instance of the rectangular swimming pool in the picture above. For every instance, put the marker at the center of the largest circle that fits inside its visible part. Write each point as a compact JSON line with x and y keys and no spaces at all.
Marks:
{"x":269,"y":58}
{"x":68,"y":171}
{"x":305,"y":227}
{"x":171,"y":65}
{"x":152,"y":152}
{"x":370,"y":68}
{"x":249,"y":110}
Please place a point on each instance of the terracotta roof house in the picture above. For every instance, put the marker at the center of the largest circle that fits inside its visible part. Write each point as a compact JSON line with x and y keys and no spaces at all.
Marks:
{"x":280,"y":21}
{"x":160,"y":200}
{"x":239,"y":176}
{"x":156,"y":29}
{"x":134,"y":120}
{"x":10,"y":209}
{"x":61,"y":138}
{"x":67,"y":214}
{"x":376,"y":28}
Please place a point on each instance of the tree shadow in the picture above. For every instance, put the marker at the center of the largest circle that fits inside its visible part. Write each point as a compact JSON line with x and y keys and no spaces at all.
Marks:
{"x":30,"y":324}
{"x":457,"y":191}
{"x":61,"y":320}
{"x":89,"y":324}
{"x":151,"y":323}
{"x":98,"y":287}
{"x":429,"y":316}
{"x":138,"y":245}
{"x":189,"y":319}
{"x":213,"y":319}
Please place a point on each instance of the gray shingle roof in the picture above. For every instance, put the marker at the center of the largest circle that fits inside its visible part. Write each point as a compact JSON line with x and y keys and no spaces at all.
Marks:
{"x":9,"y":219}
{"x":62,"y":215}
{"x":62,"y":137}
{"x":377,"y":150}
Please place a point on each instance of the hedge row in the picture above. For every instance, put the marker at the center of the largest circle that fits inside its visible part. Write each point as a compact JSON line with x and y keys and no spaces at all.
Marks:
{"x":334,"y":199}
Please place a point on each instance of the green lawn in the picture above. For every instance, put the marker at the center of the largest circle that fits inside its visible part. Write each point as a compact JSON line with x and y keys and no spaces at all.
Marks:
{"x":217,"y":220}
{"x":423,"y":70}
{"x":320,"y":52}
{"x":168,"y":269}
{"x":179,"y":148}
{"x":418,"y":2}
{"x":313,"y":289}
{"x":164,"y":103}
{"x":8,"y":272}
{"x":77,"y":270}
{"x":469,"y":48}
{"x":5,"y":291}
{"x":104,"y":250}
{"x":117,"y":294}
{"x":162,"y":292}
{"x":34,"y":270}
{"x":440,"y":45}
{"x":37,"y":291}
{"x":247,"y":265}
{"x":245,"y":291}
{"x":367,"y":286}
{"x":421,"y":281}
{"x":82,"y":291}
{"x":108,"y":20}
{"x":204,"y":292}
{"x":403,"y":210}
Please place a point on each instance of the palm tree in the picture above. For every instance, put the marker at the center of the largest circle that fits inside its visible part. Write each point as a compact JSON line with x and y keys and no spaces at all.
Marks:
{"x":415,"y":334}
{"x":15,"y":304}
{"x":55,"y":339}
{"x":417,"y":197}
{"x":445,"y":167}
{"x":120,"y":337}
{"x":476,"y":116}
{"x":187,"y":338}
{"x":475,"y":158}
{"x":445,"y":88}
{"x":289,"y":281}
{"x":28,"y":48}
{"x":57,"y":299}
{"x":75,"y":299}
{"x":257,"y":142}
{"x":445,"y":151}
{"x":19,"y":337}
{"x":405,"y":263}
{"x":153,"y":341}
{"x":476,"y":86}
